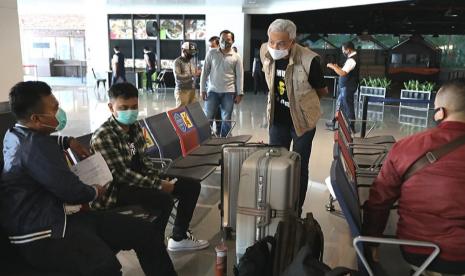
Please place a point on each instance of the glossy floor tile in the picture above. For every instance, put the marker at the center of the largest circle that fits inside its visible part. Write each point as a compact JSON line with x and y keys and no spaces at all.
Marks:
{"x":87,"y":109}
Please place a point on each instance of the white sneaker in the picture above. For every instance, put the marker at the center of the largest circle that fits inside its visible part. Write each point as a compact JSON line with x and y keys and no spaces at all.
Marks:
{"x":189,"y":243}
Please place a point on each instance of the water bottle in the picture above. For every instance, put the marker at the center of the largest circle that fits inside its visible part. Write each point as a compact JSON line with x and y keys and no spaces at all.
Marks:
{"x":221,"y":259}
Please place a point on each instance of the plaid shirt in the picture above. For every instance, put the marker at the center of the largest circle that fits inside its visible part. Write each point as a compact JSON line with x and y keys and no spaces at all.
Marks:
{"x":117,"y":149}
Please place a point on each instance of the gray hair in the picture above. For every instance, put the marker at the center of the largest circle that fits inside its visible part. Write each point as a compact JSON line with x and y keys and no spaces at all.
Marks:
{"x":283,"y":26}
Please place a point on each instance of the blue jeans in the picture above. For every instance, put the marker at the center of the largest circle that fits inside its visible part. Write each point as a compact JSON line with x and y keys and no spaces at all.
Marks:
{"x":282,"y":135}
{"x":226,"y":103}
{"x":346,"y":103}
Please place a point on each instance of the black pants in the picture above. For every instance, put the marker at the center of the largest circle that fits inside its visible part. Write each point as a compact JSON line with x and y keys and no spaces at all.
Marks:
{"x":256,"y":82}
{"x":115,"y":78}
{"x":154,"y":200}
{"x":91,"y":242}
{"x":438,"y":265}
{"x":148,"y":76}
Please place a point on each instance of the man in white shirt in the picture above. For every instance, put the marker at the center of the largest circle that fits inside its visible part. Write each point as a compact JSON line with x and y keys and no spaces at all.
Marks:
{"x":348,"y":84}
{"x":117,"y":66}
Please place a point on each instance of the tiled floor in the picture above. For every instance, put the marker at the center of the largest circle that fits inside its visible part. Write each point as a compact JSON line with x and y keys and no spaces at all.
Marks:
{"x":87,"y":109}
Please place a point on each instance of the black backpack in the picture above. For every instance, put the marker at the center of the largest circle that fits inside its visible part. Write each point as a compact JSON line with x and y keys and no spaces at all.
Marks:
{"x":291,"y":235}
{"x":296,"y":250}
{"x":257,"y":259}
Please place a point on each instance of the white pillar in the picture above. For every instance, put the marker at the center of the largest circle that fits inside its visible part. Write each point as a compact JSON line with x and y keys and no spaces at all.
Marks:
{"x":237,"y":22}
{"x":96,"y":39}
{"x":10,"y":50}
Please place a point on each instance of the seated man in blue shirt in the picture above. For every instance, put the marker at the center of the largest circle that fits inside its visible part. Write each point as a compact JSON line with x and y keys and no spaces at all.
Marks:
{"x":36,"y":188}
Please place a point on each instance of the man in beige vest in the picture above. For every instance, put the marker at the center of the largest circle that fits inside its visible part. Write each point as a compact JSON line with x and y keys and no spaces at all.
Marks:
{"x":295,"y":81}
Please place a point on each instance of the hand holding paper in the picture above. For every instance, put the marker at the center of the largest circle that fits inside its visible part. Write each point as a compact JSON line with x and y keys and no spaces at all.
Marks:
{"x":93,"y":170}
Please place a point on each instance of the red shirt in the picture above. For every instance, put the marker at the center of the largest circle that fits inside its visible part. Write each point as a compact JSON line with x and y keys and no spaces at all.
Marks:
{"x":431,"y":202}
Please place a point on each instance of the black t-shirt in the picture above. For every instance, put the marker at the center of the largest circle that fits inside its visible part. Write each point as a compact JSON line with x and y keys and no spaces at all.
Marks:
{"x":136,"y":161}
{"x":316,"y":79}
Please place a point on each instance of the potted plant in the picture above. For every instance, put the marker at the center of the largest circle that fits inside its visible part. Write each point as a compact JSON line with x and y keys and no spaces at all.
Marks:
{"x":415,"y":90}
{"x":376,"y":87}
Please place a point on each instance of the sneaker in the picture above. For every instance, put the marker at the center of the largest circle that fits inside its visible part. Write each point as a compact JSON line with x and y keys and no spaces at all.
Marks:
{"x":189,"y":243}
{"x":330,"y":125}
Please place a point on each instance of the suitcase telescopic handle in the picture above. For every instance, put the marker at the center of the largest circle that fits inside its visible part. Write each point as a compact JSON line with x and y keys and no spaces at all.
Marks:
{"x":273,"y":152}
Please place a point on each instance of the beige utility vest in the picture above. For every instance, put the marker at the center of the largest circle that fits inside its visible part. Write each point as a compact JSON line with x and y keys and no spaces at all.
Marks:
{"x":304,"y":103}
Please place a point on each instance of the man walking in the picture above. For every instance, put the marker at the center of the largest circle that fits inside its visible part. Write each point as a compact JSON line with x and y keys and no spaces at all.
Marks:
{"x":185,"y":72}
{"x":223,"y":68}
{"x":117,"y":66}
{"x":150,"y":61}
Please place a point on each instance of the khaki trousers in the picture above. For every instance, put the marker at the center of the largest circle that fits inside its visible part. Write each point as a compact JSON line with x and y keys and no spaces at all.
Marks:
{"x":184,"y":97}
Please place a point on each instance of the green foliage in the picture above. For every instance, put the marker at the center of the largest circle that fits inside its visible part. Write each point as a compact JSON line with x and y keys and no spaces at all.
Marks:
{"x":376,"y":82}
{"x":415,"y":85}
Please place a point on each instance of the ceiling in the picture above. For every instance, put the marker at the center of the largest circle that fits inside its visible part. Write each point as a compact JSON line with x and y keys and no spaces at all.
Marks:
{"x":186,"y":6}
{"x":408,"y":17}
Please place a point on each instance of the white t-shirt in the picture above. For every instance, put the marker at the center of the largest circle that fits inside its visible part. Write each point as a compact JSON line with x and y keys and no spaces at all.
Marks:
{"x":350,"y":63}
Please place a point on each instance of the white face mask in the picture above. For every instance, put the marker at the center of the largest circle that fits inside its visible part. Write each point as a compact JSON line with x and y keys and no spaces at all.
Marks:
{"x":278,"y":54}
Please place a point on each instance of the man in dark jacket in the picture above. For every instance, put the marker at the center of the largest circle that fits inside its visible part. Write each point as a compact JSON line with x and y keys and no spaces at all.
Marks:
{"x":36,"y":188}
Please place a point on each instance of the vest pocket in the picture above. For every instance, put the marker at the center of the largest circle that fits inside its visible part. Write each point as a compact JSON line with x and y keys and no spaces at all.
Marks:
{"x":310,"y":108}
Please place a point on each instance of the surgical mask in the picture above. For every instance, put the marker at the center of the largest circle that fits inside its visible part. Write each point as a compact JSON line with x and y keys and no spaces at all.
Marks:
{"x":127,"y":117}
{"x":278,"y":54}
{"x":61,"y":118}
{"x":225,"y":44}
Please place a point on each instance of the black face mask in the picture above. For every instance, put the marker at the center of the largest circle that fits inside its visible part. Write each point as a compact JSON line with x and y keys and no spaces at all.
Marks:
{"x":437,"y":122}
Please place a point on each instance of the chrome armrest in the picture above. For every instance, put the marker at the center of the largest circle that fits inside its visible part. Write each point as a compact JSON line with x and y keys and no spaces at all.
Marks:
{"x":368,"y":146}
{"x":374,"y":123}
{"x":379,"y":159}
{"x":233,"y":124}
{"x":425,"y":264}
{"x":164,"y":162}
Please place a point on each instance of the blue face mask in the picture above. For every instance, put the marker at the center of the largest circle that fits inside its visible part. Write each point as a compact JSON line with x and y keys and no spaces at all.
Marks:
{"x":61,"y":118}
{"x":127,"y":117}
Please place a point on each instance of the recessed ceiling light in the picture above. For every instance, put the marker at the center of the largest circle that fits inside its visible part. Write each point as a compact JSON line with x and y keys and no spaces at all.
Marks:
{"x":451,"y":13}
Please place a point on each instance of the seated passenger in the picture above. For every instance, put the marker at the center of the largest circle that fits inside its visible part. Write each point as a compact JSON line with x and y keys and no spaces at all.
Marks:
{"x":431,"y":201}
{"x":121,"y":142}
{"x":37,"y":185}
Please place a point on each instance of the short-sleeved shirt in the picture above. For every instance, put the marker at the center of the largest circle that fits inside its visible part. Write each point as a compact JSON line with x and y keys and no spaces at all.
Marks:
{"x":316,"y":79}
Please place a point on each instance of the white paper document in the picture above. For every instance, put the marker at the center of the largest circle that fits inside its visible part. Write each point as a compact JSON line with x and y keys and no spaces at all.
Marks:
{"x":93,"y":170}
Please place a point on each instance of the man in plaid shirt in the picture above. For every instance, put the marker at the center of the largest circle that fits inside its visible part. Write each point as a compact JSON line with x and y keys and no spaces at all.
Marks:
{"x":121,"y":142}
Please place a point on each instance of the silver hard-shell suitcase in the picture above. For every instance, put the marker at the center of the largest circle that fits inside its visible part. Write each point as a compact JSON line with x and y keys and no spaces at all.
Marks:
{"x":233,"y":157}
{"x":268,"y":190}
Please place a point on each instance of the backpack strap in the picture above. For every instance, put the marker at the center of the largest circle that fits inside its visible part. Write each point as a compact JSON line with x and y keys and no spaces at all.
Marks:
{"x":432,"y":156}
